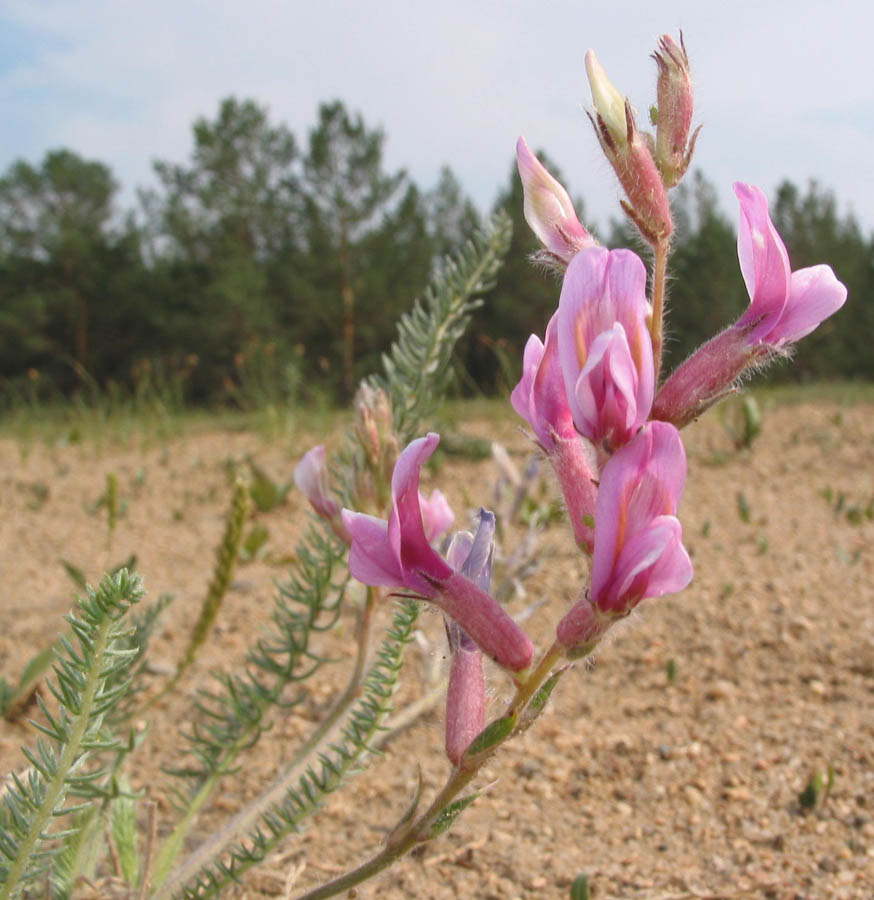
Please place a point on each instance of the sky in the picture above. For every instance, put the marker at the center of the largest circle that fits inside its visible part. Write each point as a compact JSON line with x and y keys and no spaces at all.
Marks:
{"x":783,"y":89}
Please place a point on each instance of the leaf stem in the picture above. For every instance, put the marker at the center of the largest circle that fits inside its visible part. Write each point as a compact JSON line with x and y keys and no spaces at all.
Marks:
{"x":403,"y":839}
{"x":247,"y":817}
{"x":56,"y":786}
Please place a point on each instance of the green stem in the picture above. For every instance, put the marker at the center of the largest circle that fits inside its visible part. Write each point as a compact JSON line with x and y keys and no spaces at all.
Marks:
{"x":402,"y":840}
{"x":245,"y":819}
{"x":55,"y":787}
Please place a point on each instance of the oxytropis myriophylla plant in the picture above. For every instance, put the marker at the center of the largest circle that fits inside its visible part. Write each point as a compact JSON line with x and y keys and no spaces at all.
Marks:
{"x":602,"y":415}
{"x":598,"y":408}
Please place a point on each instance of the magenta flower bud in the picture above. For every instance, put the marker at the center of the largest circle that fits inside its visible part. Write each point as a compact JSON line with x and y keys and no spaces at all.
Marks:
{"x":311,"y":478}
{"x":675,"y":104}
{"x":630,"y":156}
{"x":541,"y":400}
{"x":604,"y":345}
{"x":465,"y":696}
{"x":785,"y":306}
{"x":548,"y":209}
{"x":639,"y":551}
{"x":396,"y":553}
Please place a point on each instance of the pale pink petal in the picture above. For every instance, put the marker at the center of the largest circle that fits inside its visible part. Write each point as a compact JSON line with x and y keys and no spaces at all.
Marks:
{"x":548,"y":391}
{"x":520,"y":398}
{"x":602,"y":288}
{"x":311,"y":478}
{"x":814,"y":294}
{"x":652,"y":562}
{"x":372,"y":560}
{"x":540,"y":397}
{"x":547,"y":207}
{"x":437,"y":515}
{"x":764,"y":262}
{"x":606,"y":388}
{"x":641,"y":481}
{"x":578,"y":321}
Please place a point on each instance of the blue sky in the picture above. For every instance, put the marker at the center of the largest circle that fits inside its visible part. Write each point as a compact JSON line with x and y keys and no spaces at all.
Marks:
{"x":783,"y":90}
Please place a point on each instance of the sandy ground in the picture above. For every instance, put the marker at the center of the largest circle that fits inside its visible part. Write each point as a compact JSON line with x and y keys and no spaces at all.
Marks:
{"x":657,"y":787}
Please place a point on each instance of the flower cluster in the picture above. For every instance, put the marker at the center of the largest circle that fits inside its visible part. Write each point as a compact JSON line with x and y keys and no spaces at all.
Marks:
{"x":591,"y":395}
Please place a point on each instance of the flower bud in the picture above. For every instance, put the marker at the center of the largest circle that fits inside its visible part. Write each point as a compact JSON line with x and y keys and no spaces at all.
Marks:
{"x":548,"y":210}
{"x":629,"y":153}
{"x":609,"y":103}
{"x":675,"y":103}
{"x":312,"y":479}
{"x":374,"y":426}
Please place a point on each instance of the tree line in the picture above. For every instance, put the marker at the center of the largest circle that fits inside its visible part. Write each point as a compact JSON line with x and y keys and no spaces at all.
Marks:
{"x":261,"y":261}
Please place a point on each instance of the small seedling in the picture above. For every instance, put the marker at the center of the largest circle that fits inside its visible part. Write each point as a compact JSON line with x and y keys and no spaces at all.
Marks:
{"x":266,"y":493}
{"x":254,"y":542}
{"x":817,"y":789}
{"x":580,"y":888}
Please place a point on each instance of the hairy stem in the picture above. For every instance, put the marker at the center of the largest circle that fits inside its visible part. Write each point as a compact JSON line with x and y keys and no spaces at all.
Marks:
{"x":656,"y":327}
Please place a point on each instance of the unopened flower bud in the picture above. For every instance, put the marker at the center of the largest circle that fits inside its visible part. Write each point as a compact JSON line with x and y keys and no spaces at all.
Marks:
{"x":375,"y":429}
{"x":312,"y":480}
{"x":549,"y":211}
{"x":674,"y":116}
{"x":609,"y":103}
{"x":630,"y":155}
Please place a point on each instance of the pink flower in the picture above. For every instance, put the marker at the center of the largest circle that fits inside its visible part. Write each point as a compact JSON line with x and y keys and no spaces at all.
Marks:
{"x":548,"y":208}
{"x":396,"y":553}
{"x":311,"y":478}
{"x":604,"y":345}
{"x":638,"y":539}
{"x":540,"y":398}
{"x":785,"y":306}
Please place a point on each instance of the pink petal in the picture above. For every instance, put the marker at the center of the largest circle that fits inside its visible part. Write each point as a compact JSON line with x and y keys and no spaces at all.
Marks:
{"x":540,"y":397}
{"x":606,"y":388}
{"x":520,"y":398}
{"x":311,"y":478}
{"x":641,"y":481}
{"x":652,"y":562}
{"x":372,"y":560}
{"x":548,"y":208}
{"x":600,"y":289}
{"x":406,"y":530}
{"x":814,"y":294}
{"x":764,"y":262}
{"x":437,"y":515}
